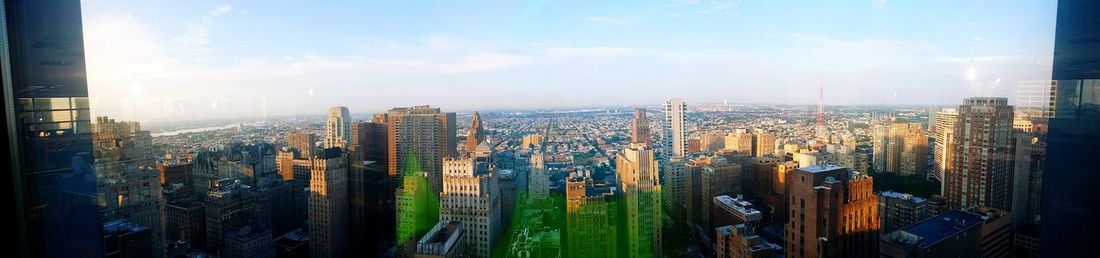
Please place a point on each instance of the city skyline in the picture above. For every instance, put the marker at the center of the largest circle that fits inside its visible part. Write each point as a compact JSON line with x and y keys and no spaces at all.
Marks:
{"x":224,"y":60}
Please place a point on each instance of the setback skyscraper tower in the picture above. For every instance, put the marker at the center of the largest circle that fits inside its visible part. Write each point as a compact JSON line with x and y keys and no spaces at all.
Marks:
{"x":338,"y":128}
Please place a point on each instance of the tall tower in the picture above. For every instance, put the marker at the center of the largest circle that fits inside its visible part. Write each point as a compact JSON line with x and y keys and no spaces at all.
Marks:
{"x":590,"y":213}
{"x":328,"y":205}
{"x":338,"y":128}
{"x":476,"y":134}
{"x":674,"y":137}
{"x":421,"y":132}
{"x":981,"y":155}
{"x":639,"y":128}
{"x":636,"y":171}
{"x":124,"y":158}
{"x":303,"y":142}
{"x":902,"y":148}
{"x":943,"y":133}
{"x":471,"y":194}
{"x":834,"y":213}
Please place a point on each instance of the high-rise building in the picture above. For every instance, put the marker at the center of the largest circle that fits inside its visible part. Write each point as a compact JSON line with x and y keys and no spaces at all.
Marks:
{"x":338,"y":128}
{"x":249,"y":241}
{"x":981,"y":155}
{"x":717,"y":176}
{"x":125,"y":239}
{"x":532,"y":141}
{"x":303,"y":143}
{"x":590,"y":218}
{"x":741,"y":241}
{"x":1069,"y":204}
{"x":538,"y":180}
{"x":369,"y":140}
{"x":763,"y":144}
{"x":739,"y":143}
{"x":833,"y":213}
{"x":471,"y":195}
{"x":129,"y":187}
{"x":417,"y":209}
{"x":674,"y":190}
{"x":905,"y":149}
{"x":477,"y":133}
{"x":1033,"y":98}
{"x":636,"y":172}
{"x":186,"y":220}
{"x":292,"y":166}
{"x":1027,"y":175}
{"x":229,"y":205}
{"x":48,"y":130}
{"x":639,"y":127}
{"x":954,"y":233}
{"x":421,"y":132}
{"x":328,"y":204}
{"x":943,"y":134}
{"x":897,"y":210}
{"x":675,"y":138}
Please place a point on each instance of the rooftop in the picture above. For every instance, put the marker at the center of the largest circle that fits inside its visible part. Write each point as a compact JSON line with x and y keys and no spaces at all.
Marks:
{"x":822,"y":168}
{"x":933,"y":230}
{"x":903,"y":196}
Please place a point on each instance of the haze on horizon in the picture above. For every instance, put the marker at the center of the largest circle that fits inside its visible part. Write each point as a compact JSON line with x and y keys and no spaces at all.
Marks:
{"x":157,"y":60}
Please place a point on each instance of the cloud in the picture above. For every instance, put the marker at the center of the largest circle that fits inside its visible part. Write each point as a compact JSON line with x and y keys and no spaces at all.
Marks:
{"x":606,"y":20}
{"x":196,"y":35}
{"x":881,"y":5}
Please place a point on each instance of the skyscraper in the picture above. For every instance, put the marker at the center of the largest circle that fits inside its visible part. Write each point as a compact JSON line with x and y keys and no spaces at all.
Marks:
{"x":905,"y":149}
{"x":943,"y":134}
{"x":982,"y":155}
{"x":48,"y":130}
{"x":1033,"y":98}
{"x":763,"y":144}
{"x":130,"y":188}
{"x":590,"y":218}
{"x":422,"y":132}
{"x":674,"y":135}
{"x":833,"y":213}
{"x":303,"y":142}
{"x":338,"y":128}
{"x":476,"y":134}
{"x":471,"y":194}
{"x":636,"y":172}
{"x":328,"y":204}
{"x":639,"y":127}
{"x":1069,"y":201}
{"x":897,"y":210}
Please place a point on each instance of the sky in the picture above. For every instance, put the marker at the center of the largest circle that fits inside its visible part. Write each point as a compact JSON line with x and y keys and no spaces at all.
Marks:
{"x":185,"y":60}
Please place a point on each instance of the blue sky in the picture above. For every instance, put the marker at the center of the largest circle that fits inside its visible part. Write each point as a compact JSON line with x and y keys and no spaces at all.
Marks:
{"x":161,"y":59}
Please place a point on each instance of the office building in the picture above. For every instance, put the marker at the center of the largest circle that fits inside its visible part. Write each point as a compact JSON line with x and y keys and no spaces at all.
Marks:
{"x":675,"y":139}
{"x":717,"y":176}
{"x":639,"y":127}
{"x":417,"y":211}
{"x":636,"y":173}
{"x":477,"y":133}
{"x":943,"y":134}
{"x":338,"y":128}
{"x":833,"y":213}
{"x":1033,"y":98}
{"x":741,"y":241}
{"x":897,"y":210}
{"x":422,"y":133}
{"x":229,"y":205}
{"x":471,"y":195}
{"x":129,"y":187}
{"x":186,"y":221}
{"x":954,"y":233}
{"x":903,"y":149}
{"x":538,"y":179}
{"x":125,"y":239}
{"x":249,"y":241}
{"x":590,"y":219}
{"x":328,"y":204}
{"x":369,"y":140}
{"x":763,"y":144}
{"x":1068,"y":200}
{"x":981,"y":163}
{"x":713,"y":141}
{"x":445,"y":240}
{"x":48,"y":130}
{"x":739,"y":143}
{"x":1029,"y":161}
{"x":303,"y":143}
{"x":732,"y":211}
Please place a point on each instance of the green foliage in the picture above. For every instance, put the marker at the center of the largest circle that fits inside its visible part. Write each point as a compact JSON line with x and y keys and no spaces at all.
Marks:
{"x":916,"y":184}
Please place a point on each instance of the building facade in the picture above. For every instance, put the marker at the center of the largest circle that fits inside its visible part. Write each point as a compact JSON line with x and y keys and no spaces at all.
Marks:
{"x":833,"y":213}
{"x":675,"y":139}
{"x":637,"y":176}
{"x":981,"y":155}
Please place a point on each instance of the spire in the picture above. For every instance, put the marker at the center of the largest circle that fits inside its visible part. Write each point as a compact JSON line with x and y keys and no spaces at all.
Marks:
{"x":477,"y":133}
